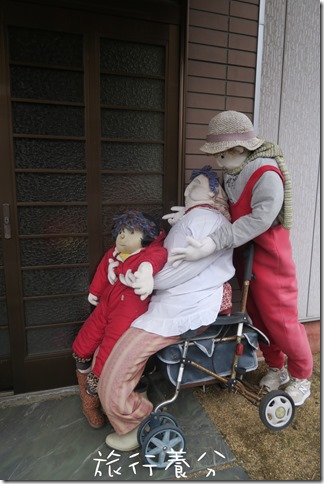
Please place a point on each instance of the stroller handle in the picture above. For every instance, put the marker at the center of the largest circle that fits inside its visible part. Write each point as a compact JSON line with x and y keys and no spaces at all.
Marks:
{"x":248,"y":256}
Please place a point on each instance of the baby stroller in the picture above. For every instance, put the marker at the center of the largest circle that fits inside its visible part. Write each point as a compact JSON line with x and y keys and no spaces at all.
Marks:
{"x":223,"y":353}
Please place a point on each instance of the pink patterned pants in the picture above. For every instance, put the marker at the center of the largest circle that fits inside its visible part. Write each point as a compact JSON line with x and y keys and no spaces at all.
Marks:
{"x":122,"y":371}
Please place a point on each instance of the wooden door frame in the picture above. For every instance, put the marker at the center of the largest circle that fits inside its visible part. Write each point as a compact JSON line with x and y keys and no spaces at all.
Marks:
{"x":175,"y":136}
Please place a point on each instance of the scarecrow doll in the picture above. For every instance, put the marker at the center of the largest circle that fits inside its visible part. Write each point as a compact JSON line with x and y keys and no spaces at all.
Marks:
{"x":138,"y":248}
{"x":258,"y":186}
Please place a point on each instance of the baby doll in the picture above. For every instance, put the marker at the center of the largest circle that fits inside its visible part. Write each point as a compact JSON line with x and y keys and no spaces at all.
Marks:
{"x":138,"y":248}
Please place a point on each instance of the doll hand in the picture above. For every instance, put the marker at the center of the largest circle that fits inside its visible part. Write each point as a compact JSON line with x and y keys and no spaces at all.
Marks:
{"x":94,"y":300}
{"x":173,"y":218}
{"x":112,"y":278}
{"x":128,"y":279}
{"x":143,"y":285}
{"x":194,"y":251}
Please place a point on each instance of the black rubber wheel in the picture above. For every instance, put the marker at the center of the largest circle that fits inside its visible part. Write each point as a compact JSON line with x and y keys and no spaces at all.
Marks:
{"x":161,"y":443}
{"x":277,"y":410}
{"x":163,"y":418}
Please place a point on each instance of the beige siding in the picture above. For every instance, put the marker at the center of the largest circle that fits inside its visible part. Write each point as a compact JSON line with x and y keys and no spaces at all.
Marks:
{"x":290,"y":115}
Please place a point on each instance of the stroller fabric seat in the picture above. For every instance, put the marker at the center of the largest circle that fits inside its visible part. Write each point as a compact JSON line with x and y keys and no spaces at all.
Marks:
{"x":212,"y":350}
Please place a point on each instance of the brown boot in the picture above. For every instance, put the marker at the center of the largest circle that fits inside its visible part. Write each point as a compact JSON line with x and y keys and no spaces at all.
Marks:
{"x":82,"y":381}
{"x":92,"y":411}
{"x":90,"y":404}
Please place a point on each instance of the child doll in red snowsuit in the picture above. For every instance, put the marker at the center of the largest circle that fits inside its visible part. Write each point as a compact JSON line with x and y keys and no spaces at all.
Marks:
{"x":138,"y":247}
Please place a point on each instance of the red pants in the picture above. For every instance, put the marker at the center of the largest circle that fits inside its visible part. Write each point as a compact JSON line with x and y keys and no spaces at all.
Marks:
{"x":272,"y":302}
{"x":110,"y":319}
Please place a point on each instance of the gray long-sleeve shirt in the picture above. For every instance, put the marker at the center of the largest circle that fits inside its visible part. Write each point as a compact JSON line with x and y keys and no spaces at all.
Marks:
{"x":267,"y":200}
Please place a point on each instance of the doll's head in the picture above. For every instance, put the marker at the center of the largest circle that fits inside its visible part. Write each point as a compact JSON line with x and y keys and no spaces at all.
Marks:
{"x":133,"y":230}
{"x":229,"y":129}
{"x":204,"y":188}
{"x":230,"y":139}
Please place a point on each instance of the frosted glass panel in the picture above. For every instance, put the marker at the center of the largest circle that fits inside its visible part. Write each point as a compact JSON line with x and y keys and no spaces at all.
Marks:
{"x":135,"y":188}
{"x":132,"y":92}
{"x":52,"y":220}
{"x":44,"y":153}
{"x":42,"y":47}
{"x":67,"y":250}
{"x":51,"y":339}
{"x":55,"y":281}
{"x":3,"y":313}
{"x":36,"y":83}
{"x":33,"y":187}
{"x":2,"y":283}
{"x":47,"y":119}
{"x":131,"y":58}
{"x":57,"y":310}
{"x":4,"y":342}
{"x":132,"y":156}
{"x":132,"y":125}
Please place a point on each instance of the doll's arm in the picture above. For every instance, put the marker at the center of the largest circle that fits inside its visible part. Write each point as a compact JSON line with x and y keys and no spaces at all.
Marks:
{"x":142,"y":280}
{"x":267,"y":200}
{"x":177,"y":214}
{"x":100,"y":280}
{"x":94,"y":300}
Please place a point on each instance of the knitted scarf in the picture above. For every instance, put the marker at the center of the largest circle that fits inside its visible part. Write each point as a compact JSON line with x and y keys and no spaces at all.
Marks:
{"x":270,"y":150}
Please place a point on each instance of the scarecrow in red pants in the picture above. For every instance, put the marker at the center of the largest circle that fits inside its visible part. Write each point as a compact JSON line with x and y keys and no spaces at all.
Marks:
{"x":257,"y":183}
{"x":139,"y":248}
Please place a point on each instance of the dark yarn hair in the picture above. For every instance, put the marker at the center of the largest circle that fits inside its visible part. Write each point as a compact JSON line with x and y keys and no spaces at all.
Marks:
{"x":210,"y":174}
{"x":135,"y":220}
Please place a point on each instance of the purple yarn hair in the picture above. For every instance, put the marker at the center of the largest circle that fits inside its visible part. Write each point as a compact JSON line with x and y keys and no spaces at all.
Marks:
{"x":208,"y":172}
{"x":134,"y":220}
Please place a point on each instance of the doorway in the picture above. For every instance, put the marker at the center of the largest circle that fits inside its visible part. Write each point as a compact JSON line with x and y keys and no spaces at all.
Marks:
{"x":91,"y":117}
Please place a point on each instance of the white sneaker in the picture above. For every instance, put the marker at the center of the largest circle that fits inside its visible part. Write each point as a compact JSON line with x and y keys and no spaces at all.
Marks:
{"x":299,"y":390}
{"x":125,"y":443}
{"x":274,"y":378}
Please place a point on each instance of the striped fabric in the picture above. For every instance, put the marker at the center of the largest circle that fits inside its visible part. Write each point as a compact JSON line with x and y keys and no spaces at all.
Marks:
{"x":125,"y":408}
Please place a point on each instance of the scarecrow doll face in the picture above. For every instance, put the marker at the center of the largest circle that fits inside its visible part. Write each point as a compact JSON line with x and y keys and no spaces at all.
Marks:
{"x":198,"y":191}
{"x":134,"y":230}
{"x":232,"y":158}
{"x":128,"y":241}
{"x":202,"y":187}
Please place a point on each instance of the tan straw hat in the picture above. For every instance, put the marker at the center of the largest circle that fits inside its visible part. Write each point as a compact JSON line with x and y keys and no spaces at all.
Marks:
{"x":228,"y":129}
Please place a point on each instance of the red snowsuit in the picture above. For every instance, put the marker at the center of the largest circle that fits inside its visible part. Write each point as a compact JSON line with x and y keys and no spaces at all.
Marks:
{"x":119,"y":306}
{"x":272,"y":300}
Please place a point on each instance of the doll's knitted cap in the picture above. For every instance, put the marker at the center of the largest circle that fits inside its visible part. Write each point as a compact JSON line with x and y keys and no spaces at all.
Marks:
{"x":229,"y":129}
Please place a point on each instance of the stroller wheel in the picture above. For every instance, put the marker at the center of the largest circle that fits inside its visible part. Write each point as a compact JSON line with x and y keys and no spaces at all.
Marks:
{"x":162,"y":444}
{"x":277,"y":410}
{"x":153,"y":421}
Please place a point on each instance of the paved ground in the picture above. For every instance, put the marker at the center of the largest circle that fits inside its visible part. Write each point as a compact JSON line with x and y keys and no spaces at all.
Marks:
{"x":45,"y":437}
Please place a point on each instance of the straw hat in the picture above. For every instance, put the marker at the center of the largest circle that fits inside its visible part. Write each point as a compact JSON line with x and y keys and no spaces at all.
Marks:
{"x":228,"y":129}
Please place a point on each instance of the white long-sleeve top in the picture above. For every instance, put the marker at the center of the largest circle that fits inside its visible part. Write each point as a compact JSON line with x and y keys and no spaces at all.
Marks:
{"x":190,"y":295}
